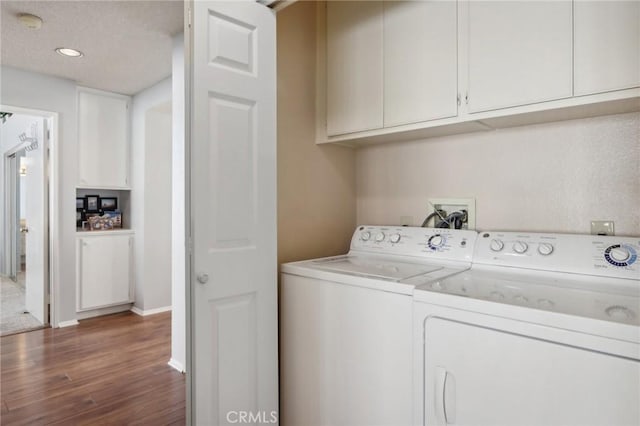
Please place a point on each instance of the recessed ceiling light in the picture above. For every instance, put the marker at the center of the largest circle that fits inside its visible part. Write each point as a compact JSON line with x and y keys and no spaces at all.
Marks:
{"x":65,"y":51}
{"x":30,"y":21}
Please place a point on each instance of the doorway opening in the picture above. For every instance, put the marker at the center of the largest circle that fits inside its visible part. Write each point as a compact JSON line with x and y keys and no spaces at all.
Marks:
{"x":24,"y":219}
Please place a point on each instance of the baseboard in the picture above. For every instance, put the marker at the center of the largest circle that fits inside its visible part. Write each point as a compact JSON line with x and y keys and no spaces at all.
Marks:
{"x":69,"y":323}
{"x":176,"y":365}
{"x":103,"y":311}
{"x":144,"y":313}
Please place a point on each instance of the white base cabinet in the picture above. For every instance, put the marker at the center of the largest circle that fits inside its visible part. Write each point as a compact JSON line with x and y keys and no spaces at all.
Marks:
{"x":104,"y":269}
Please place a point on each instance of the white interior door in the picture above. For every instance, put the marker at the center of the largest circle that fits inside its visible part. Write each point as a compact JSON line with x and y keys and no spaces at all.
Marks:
{"x":35,"y":226}
{"x":234,"y":363}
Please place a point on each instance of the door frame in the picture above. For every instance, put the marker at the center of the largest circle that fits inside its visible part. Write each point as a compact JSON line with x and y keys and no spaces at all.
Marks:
{"x":52,"y":204}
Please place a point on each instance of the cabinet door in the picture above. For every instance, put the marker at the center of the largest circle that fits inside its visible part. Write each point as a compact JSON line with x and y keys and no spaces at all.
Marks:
{"x":420,"y":61}
{"x":520,"y":52}
{"x":103,"y":142}
{"x":354,"y":66}
{"x":104,"y":271}
{"x":480,"y":376}
{"x":607,"y":46}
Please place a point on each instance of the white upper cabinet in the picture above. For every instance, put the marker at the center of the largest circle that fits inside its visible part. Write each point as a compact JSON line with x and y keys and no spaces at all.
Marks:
{"x":354,"y":66}
{"x":103,"y":139}
{"x":520,"y":52}
{"x":607,"y":46}
{"x":420,"y":61}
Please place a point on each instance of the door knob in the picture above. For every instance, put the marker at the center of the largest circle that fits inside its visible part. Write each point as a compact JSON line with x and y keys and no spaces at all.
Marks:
{"x":24,"y":230}
{"x":202,"y":278}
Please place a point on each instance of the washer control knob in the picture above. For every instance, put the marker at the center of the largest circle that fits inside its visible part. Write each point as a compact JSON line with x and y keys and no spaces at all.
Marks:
{"x":620,"y":254}
{"x":365,"y":236}
{"x":520,"y":247}
{"x":395,"y":238}
{"x":496,"y":245}
{"x":545,"y":249}
{"x":380,"y":237}
{"x":436,"y":241}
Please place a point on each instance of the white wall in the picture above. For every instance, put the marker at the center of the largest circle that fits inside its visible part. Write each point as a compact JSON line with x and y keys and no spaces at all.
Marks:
{"x":36,"y":91}
{"x":178,"y":245}
{"x":149,"y":293}
{"x":553,"y":177}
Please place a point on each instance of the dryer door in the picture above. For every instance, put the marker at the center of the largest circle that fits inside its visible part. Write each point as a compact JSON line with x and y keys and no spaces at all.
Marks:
{"x":481,"y":376}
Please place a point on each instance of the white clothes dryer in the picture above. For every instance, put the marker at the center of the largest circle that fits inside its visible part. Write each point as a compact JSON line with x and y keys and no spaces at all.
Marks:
{"x":544,"y":329}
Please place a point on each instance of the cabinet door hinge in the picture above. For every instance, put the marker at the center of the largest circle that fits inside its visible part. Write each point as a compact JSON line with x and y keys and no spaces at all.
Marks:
{"x":466,"y":98}
{"x":189,"y":18}
{"x":458,"y":99}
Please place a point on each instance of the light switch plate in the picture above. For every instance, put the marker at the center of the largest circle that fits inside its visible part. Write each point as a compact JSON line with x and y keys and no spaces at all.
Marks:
{"x":602,"y":227}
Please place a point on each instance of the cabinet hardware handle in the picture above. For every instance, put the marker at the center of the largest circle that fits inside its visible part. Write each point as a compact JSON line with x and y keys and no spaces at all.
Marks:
{"x":202,"y":278}
{"x":466,"y":98}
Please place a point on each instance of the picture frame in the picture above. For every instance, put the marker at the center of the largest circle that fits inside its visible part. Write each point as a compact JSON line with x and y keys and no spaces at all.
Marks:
{"x":81,"y":203}
{"x":79,"y":217}
{"x":109,"y":203}
{"x":92,"y":203}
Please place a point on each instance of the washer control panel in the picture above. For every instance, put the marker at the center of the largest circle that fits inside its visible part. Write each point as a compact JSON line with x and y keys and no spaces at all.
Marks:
{"x":445,"y":244}
{"x":584,"y":254}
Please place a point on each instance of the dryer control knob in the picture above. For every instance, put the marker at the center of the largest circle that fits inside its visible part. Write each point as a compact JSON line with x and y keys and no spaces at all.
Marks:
{"x":496,"y":245}
{"x":620,"y":254}
{"x":365,"y":236}
{"x":545,"y":249}
{"x":395,"y":238}
{"x":380,"y":237}
{"x":436,"y":241}
{"x":520,"y":247}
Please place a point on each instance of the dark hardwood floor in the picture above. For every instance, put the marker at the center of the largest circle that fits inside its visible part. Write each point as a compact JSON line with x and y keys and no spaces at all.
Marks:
{"x":107,"y":370}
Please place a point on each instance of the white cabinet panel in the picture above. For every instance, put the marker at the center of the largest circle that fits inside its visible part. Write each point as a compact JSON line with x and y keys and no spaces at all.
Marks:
{"x":476,"y":375}
{"x":420,"y":61}
{"x":103,"y":140}
{"x":104,"y":270}
{"x":607,"y":46}
{"x":354,"y":66}
{"x":520,"y":52}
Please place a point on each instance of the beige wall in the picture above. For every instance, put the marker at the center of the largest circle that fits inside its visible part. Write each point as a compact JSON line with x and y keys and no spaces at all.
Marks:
{"x":554,"y":177}
{"x":316,"y":184}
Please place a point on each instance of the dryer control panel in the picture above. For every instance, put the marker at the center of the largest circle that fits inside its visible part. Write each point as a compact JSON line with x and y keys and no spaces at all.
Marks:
{"x":608,"y":256}
{"x":435,"y":243}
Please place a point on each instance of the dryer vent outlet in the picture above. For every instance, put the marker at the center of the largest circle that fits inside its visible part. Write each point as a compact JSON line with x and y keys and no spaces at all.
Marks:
{"x":451,"y":205}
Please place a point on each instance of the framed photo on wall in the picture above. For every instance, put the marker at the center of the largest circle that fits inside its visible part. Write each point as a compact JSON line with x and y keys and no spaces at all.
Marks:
{"x":93,"y":203}
{"x":109,"y":203}
{"x":80,"y":203}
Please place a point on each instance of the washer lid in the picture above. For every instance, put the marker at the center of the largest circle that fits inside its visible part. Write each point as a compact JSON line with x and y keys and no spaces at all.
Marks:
{"x":616,"y":300}
{"x":374,"y":267}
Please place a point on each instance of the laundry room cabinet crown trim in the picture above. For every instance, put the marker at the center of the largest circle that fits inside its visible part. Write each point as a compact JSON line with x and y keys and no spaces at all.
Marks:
{"x":401,"y":70}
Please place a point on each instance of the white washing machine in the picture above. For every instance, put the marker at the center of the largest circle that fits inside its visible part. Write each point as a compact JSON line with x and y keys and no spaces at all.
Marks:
{"x":543,"y":329}
{"x":346,"y":325}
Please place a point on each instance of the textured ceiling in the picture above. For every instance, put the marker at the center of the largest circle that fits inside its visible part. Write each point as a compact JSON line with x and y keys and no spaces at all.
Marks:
{"x":126,"y":44}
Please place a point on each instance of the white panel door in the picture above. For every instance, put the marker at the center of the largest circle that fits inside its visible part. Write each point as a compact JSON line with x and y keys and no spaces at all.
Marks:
{"x":520,"y":52}
{"x":354,"y":66}
{"x":234,"y":361}
{"x":36,"y":251}
{"x":420,"y":61}
{"x":607,"y":45}
{"x":483,"y":377}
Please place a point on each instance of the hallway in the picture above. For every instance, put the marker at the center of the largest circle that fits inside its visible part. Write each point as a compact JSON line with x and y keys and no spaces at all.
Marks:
{"x":107,"y":370}
{"x":13,"y":318}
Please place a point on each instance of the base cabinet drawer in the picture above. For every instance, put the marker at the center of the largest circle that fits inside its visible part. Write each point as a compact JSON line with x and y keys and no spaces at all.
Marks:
{"x":104,"y":271}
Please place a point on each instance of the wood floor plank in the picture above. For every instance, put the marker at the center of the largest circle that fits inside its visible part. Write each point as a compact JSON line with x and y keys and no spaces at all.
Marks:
{"x":107,"y":370}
